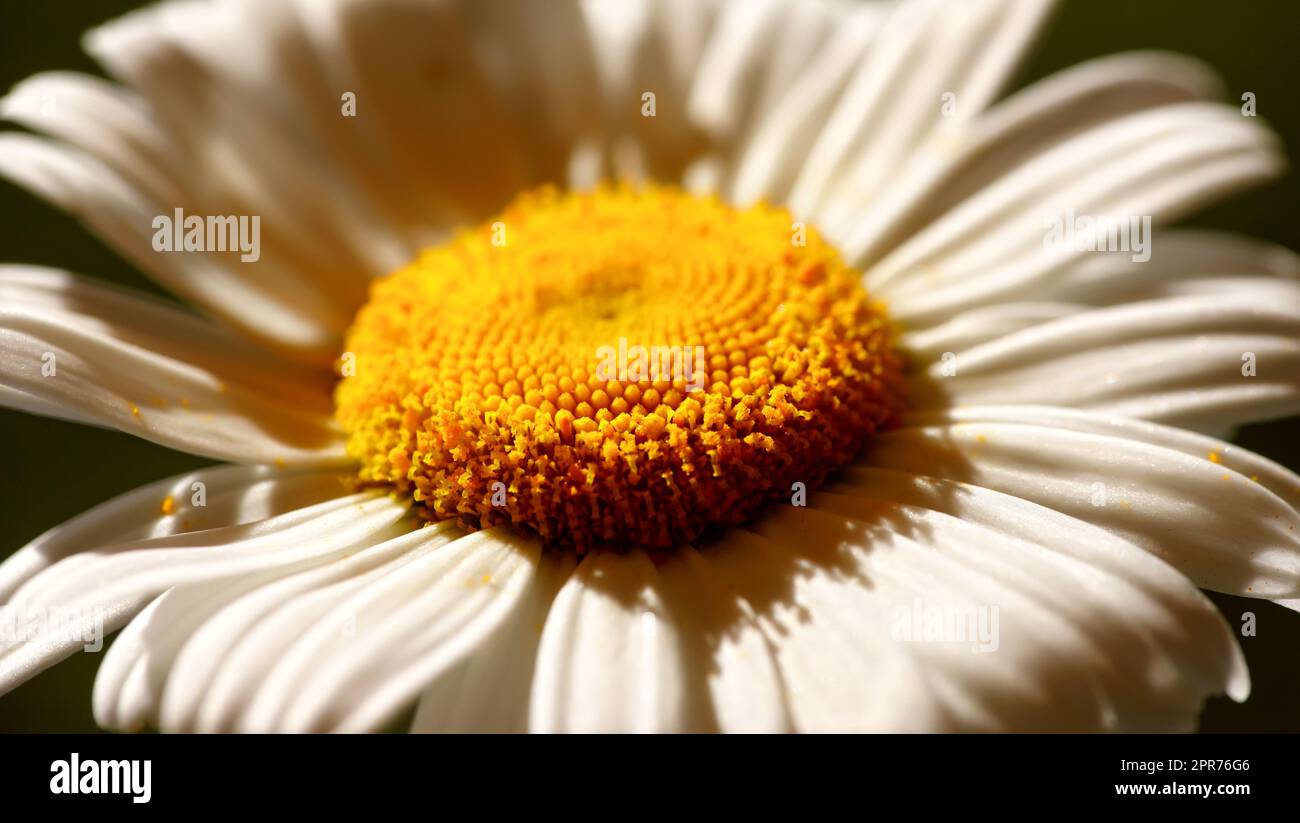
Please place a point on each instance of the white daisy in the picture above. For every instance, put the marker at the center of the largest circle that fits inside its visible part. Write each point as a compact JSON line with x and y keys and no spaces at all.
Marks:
{"x":1019,"y":545}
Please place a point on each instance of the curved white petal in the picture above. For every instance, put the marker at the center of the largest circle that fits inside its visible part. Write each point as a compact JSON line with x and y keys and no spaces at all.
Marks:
{"x":366,"y":686}
{"x":1071,"y":627}
{"x":152,"y":370}
{"x":1278,"y":479}
{"x":11,"y":398}
{"x":274,"y":305}
{"x":488,"y":691}
{"x":724,"y":650}
{"x":409,"y":627}
{"x":1158,"y":164}
{"x":218,"y":668}
{"x":129,"y":683}
{"x":981,"y":325}
{"x":106,"y":587}
{"x":1190,"y":261}
{"x":829,"y":634}
{"x":703,"y":633}
{"x":967,"y":155}
{"x":205,"y":499}
{"x":511,"y":84}
{"x":771,"y":155}
{"x":1183,"y":261}
{"x":610,"y":656}
{"x":1202,"y":361}
{"x":926,"y":49}
{"x":758,"y":50}
{"x":650,"y":47}
{"x":170,"y":660}
{"x":1219,"y":527}
{"x":159,"y":326}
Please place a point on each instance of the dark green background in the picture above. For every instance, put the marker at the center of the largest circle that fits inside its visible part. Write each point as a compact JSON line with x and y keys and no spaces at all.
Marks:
{"x":50,"y":471}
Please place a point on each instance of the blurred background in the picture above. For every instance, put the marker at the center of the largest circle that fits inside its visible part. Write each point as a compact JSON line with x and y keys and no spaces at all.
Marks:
{"x":50,"y":471}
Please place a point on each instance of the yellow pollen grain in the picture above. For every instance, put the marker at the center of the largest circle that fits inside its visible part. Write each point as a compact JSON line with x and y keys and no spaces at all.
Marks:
{"x":482,"y":385}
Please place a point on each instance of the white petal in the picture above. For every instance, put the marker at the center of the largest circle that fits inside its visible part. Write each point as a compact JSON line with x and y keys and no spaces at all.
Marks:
{"x":1160,"y":163}
{"x":1093,"y":633}
{"x":971,"y":328}
{"x":11,"y":398}
{"x":488,"y":691}
{"x":221,"y":665}
{"x":294,"y":158}
{"x":265,"y":299}
{"x":968,"y":155}
{"x":440,"y":143}
{"x":1180,"y":360}
{"x":757,"y":51}
{"x":654,"y":47}
{"x":1210,"y":265}
{"x":458,"y":106}
{"x":720,"y":655}
{"x":106,"y":587}
{"x":393,"y":664}
{"x":541,"y":62}
{"x":926,"y":49}
{"x":1215,"y":525}
{"x":188,"y":640}
{"x":154,"y":371}
{"x":1185,"y":261}
{"x":772,"y":154}
{"x":1119,"y":584}
{"x":724,"y":650}
{"x":1189,"y":262}
{"x":129,"y":683}
{"x":829,"y":634}
{"x":610,"y":656}
{"x":1278,"y":479}
{"x":204,"y":499}
{"x":410,"y":626}
{"x":147,"y":322}
{"x":103,"y":119}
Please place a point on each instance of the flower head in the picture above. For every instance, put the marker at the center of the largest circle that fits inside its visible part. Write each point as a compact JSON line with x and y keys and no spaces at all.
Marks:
{"x":650,"y":365}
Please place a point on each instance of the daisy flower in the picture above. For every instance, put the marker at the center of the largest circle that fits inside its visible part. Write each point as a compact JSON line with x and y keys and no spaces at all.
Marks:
{"x":659,"y":365}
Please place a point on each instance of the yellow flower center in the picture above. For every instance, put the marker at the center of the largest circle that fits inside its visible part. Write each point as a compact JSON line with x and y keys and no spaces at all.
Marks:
{"x":622,"y":367}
